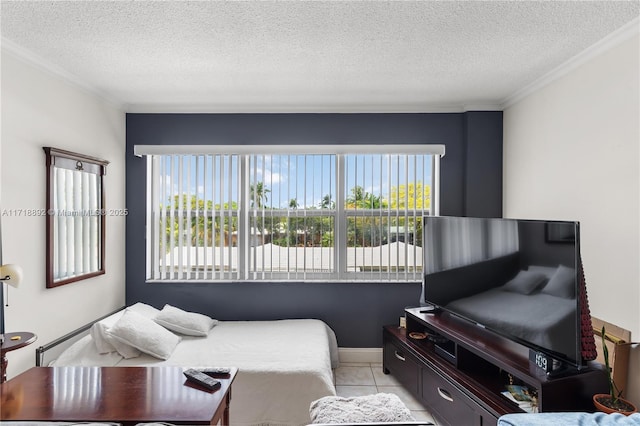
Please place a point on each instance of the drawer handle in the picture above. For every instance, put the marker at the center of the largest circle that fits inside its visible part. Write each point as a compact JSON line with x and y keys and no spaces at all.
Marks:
{"x":445,"y":395}
{"x":399,"y":356}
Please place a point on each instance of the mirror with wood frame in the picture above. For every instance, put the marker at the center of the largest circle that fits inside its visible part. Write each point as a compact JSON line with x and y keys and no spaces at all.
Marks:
{"x":75,"y":216}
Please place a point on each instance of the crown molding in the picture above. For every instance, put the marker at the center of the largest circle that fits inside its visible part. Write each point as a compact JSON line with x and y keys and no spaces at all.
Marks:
{"x":615,"y":38}
{"x":482,"y":107}
{"x":311,"y":109}
{"x":9,"y":47}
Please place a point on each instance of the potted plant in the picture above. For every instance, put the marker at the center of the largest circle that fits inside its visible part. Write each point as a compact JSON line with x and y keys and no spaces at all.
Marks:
{"x":611,"y":402}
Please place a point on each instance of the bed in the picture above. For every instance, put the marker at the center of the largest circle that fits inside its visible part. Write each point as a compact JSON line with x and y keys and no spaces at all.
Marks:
{"x":543,"y":319}
{"x":538,"y":305}
{"x":283,"y":365}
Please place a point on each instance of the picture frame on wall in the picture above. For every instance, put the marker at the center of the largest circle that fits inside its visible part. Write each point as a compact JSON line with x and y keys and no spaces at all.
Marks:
{"x":560,"y":233}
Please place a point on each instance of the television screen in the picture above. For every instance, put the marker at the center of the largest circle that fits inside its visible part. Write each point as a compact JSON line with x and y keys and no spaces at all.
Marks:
{"x":517,"y":278}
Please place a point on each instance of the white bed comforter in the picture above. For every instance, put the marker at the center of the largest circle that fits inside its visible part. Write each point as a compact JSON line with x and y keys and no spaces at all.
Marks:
{"x":282,"y":365}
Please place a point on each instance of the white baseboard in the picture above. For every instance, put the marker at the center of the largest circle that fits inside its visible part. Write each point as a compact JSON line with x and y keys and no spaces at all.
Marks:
{"x":366,"y":355}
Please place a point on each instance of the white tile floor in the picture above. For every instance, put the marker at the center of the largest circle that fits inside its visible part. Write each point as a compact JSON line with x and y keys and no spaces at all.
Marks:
{"x":356,"y":379}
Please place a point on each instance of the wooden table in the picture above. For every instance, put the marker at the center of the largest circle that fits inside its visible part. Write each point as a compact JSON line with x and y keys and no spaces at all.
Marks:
{"x":126,"y":395}
{"x":13,"y":341}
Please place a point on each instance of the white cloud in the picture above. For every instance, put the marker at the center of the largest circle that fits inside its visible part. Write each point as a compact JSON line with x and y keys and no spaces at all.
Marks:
{"x":270,"y":177}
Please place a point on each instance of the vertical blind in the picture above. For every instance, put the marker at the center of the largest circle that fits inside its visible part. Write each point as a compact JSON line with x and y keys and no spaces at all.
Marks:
{"x":386,"y":197}
{"x":292,"y":216}
{"x":320,"y":215}
{"x":193,"y":217}
{"x":467,"y":240}
{"x":77,"y":208}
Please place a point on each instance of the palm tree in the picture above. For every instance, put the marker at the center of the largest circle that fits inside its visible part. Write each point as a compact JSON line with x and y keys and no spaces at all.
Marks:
{"x":258,"y":194}
{"x":327,"y":203}
{"x":197,"y":222}
{"x":357,"y":195}
{"x":361,"y":199}
{"x":362,"y":231}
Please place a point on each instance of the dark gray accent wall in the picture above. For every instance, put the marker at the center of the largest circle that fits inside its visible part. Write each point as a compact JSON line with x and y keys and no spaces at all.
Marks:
{"x":356,"y":312}
{"x":483,"y":164}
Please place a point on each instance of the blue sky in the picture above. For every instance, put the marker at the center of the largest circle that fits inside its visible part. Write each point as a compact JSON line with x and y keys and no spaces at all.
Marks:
{"x":307,"y":178}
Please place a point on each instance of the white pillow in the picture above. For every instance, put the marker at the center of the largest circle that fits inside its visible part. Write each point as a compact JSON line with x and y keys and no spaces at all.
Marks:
{"x":144,"y":310}
{"x":97,"y":332}
{"x":106,"y":344}
{"x":142,"y":333}
{"x":183,"y":322}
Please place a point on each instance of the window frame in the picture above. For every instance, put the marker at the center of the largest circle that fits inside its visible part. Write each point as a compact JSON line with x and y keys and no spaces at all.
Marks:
{"x":62,"y":159}
{"x":340,"y":214}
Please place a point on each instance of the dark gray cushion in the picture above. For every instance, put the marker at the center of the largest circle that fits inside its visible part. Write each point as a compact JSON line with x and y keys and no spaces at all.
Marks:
{"x":562,"y":283}
{"x":547,"y":270}
{"x":526,"y":282}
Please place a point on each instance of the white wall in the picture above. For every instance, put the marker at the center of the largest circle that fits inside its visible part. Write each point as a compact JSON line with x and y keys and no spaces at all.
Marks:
{"x":41,"y":109}
{"x":571,"y":151}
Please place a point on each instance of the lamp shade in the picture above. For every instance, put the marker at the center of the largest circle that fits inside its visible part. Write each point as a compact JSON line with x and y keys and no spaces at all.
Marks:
{"x":11,"y":274}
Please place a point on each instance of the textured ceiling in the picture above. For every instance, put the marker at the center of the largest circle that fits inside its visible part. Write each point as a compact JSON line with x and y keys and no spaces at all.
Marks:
{"x":308,"y":56}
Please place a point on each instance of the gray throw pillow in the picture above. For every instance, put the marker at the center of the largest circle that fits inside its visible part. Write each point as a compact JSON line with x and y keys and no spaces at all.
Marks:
{"x":562,"y":283}
{"x":548,"y":271}
{"x":526,"y":282}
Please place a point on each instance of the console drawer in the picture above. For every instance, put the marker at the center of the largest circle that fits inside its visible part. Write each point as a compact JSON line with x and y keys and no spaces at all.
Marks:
{"x":448,"y":403}
{"x":403,"y":366}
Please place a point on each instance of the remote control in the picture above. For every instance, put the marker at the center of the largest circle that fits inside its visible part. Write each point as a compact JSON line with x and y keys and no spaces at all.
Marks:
{"x":202,"y":379}
{"x":215,"y":371}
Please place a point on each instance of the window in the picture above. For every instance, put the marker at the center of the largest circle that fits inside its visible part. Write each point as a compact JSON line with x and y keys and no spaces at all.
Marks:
{"x":330,"y":213}
{"x":75,"y":216}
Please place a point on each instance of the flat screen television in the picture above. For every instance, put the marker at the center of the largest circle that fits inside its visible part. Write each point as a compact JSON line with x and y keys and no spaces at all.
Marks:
{"x":517,"y":278}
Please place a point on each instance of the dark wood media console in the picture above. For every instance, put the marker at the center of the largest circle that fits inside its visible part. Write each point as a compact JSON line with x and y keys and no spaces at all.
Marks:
{"x":461,"y":379}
